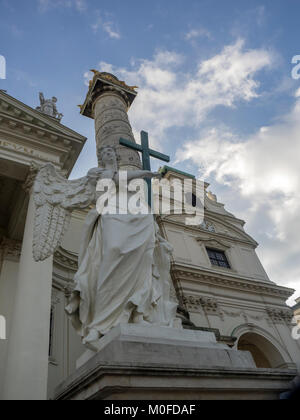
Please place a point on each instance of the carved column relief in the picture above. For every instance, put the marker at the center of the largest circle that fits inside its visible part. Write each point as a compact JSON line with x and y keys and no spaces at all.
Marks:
{"x":178,"y":288}
{"x":280,"y":316}
{"x":33,"y":171}
{"x":55,"y":300}
{"x":112,"y":123}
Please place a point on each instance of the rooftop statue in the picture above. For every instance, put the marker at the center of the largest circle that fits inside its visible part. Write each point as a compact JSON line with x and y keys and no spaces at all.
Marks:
{"x":48,"y":107}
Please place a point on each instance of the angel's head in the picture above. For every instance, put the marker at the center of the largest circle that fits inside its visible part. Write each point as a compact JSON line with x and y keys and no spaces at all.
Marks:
{"x":107,"y":156}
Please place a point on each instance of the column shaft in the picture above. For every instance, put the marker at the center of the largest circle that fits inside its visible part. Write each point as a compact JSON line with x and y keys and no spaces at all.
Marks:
{"x":112,"y":123}
{"x":28,"y":344}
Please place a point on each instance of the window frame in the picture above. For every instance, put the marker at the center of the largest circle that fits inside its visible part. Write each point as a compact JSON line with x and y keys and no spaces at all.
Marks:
{"x":218,"y":261}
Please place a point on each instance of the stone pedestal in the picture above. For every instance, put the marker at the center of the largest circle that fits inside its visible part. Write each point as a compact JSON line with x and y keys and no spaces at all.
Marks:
{"x":141,"y":362}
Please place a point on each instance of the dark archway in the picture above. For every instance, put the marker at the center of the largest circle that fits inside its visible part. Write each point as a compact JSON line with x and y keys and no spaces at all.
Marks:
{"x":264,"y":353}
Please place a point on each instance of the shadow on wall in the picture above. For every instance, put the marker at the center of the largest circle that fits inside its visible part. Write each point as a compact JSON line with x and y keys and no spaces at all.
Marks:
{"x":264,"y":353}
{"x":294,"y":394}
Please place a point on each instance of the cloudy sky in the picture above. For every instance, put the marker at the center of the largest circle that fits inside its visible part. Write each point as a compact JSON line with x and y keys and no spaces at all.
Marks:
{"x":216,"y":92}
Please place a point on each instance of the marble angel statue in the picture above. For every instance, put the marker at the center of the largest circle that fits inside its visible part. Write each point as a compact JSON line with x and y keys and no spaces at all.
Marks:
{"x":124,"y":263}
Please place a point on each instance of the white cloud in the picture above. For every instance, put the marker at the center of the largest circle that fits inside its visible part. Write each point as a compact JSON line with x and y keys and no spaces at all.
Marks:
{"x":16,"y":31}
{"x":46,"y":5}
{"x":261,"y":12}
{"x":107,"y":25}
{"x":170,"y":97}
{"x":196,"y":33}
{"x":108,"y":28}
{"x":263,"y":171}
{"x":81,"y":5}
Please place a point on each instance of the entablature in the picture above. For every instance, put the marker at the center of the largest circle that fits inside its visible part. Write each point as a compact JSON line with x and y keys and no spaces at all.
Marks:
{"x":229,"y":280}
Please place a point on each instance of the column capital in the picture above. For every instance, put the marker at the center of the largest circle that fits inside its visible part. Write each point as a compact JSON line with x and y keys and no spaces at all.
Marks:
{"x":108,"y":90}
{"x":102,"y":83}
{"x":9,"y":249}
{"x":32,"y":173}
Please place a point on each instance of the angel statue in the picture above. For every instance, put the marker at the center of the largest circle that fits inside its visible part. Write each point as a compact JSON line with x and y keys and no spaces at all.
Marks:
{"x":124,"y":263}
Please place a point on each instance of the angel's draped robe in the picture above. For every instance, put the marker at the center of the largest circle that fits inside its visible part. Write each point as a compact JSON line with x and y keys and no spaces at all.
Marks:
{"x":124,"y":268}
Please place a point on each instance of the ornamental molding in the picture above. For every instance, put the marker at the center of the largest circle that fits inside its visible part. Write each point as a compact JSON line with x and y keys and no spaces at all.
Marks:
{"x":208,"y":305}
{"x":66,"y":259}
{"x":33,"y":171}
{"x":109,"y":89}
{"x":213,"y":242}
{"x":112,"y":79}
{"x":211,"y":306}
{"x":223,"y":280}
{"x":280,"y":315}
{"x":10,"y":146}
{"x":246,"y":316}
{"x":208,"y":226}
{"x":55,"y":299}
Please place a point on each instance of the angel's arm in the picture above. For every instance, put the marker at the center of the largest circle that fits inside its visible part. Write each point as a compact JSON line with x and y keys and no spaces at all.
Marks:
{"x":42,"y":99}
{"x":139,"y":174}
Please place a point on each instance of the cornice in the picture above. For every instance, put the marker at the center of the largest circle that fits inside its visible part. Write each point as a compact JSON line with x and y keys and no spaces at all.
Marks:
{"x":225,"y":280}
{"x":40,"y":130}
{"x":26,"y":113}
{"x":214,"y":235}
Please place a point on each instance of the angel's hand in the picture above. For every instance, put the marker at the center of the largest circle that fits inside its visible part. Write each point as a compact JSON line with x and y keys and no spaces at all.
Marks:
{"x":157,"y":175}
{"x":108,"y":174}
{"x":149,"y":174}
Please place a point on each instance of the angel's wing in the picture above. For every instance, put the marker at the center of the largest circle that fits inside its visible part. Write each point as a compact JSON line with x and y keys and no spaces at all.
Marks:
{"x":55,"y":197}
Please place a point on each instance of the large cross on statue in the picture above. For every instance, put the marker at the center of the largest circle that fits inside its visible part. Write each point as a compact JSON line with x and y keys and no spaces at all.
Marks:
{"x":146,"y":154}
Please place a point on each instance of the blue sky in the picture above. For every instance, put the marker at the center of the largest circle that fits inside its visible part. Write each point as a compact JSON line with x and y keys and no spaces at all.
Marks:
{"x":216,"y":93}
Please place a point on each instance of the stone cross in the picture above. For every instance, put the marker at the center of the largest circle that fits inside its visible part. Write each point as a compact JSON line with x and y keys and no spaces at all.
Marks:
{"x":146,"y":154}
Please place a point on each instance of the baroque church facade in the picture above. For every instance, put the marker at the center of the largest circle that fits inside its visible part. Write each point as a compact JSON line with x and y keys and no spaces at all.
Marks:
{"x":220,"y":283}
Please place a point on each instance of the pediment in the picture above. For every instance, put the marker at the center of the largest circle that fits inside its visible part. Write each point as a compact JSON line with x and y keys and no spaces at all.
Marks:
{"x":216,"y":226}
{"x":23,"y":113}
{"x":230,"y":230}
{"x":28,"y":131}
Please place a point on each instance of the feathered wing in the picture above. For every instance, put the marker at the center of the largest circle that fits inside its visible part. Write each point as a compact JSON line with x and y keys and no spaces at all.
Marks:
{"x":55,"y":197}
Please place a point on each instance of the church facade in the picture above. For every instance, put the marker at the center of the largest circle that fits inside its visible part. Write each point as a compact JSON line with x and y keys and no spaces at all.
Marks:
{"x":220,"y":283}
